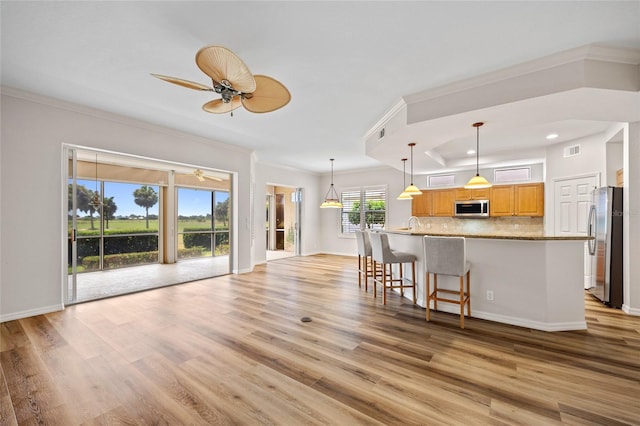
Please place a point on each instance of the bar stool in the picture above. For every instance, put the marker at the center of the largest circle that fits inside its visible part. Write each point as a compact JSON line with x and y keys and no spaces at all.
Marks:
{"x":386,"y":257}
{"x":447,"y":256}
{"x":365,"y":261}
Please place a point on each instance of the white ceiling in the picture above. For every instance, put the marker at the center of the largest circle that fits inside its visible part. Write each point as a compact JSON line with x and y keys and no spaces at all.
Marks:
{"x":345,"y":63}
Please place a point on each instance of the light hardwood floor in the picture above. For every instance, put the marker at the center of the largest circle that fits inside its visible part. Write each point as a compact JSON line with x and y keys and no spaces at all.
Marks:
{"x":232,"y":350}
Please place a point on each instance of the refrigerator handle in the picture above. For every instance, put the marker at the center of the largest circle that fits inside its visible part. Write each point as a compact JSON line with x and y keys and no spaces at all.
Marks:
{"x":592,"y":230}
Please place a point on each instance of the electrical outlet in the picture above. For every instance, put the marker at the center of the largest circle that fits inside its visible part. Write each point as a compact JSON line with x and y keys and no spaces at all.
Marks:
{"x":489,"y":294}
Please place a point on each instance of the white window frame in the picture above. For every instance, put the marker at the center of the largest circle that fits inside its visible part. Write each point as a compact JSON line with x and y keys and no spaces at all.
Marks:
{"x":453,"y":180}
{"x":362,"y":198}
{"x":497,"y":180}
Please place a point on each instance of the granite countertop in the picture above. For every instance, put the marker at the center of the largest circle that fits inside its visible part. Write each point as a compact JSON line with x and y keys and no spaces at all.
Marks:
{"x":496,"y":236}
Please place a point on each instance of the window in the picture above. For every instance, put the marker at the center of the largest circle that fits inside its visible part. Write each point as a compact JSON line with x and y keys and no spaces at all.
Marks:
{"x":363,"y":208}
{"x":519,"y":174}
{"x":440,"y":180}
{"x":122,"y":232}
{"x":203,"y":223}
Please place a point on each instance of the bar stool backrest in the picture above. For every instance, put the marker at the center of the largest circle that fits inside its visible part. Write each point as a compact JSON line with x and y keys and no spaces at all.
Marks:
{"x":446,"y":255}
{"x":364,"y":245}
{"x":380,"y":249}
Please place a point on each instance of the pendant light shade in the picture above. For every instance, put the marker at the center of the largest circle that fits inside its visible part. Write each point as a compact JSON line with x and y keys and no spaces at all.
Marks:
{"x":404,"y":195}
{"x":331,"y":200}
{"x":477,"y":182}
{"x":412,"y":189}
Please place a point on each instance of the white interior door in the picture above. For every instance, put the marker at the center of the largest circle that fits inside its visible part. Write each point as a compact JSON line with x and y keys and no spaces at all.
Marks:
{"x":572,"y":200}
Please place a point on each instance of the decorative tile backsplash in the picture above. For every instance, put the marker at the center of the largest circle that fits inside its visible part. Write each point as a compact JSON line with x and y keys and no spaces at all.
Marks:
{"x":493,"y":225}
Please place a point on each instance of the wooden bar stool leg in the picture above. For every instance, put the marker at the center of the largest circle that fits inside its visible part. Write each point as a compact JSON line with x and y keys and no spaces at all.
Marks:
{"x":413,"y":278}
{"x":468,"y":294}
{"x":360,"y":271}
{"x":401,"y":266}
{"x":427,"y":296}
{"x":435,"y":292}
{"x":366,"y":272}
{"x":384,"y":283}
{"x":375,"y":284}
{"x":462,"y":303}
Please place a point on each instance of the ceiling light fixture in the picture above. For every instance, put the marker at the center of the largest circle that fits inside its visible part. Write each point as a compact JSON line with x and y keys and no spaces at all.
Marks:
{"x":412,"y":189}
{"x":471,"y":152}
{"x":477,"y":181}
{"x":552,"y":136}
{"x":331,"y":200}
{"x":95,"y":199}
{"x":404,"y":195}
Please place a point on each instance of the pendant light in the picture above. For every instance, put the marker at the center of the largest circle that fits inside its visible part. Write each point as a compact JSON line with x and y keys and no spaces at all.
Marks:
{"x":412,"y":189}
{"x":404,"y":195}
{"x":477,"y":182}
{"x":331,"y":200}
{"x":95,"y":200}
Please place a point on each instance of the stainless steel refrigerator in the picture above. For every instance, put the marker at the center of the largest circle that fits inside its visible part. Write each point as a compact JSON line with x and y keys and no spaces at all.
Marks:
{"x":605,"y":225}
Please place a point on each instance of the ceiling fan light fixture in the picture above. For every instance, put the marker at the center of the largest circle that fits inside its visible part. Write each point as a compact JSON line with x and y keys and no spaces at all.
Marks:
{"x":95,"y":201}
{"x":412,"y":189}
{"x":232,"y":80}
{"x":477,"y":182}
{"x":331,"y":200}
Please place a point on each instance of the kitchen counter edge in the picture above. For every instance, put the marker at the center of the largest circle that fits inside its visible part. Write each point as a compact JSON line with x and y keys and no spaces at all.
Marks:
{"x":489,"y":236}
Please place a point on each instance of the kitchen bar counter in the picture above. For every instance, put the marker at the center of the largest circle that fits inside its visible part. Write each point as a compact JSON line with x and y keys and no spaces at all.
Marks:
{"x":501,"y":236}
{"x":530,"y":281}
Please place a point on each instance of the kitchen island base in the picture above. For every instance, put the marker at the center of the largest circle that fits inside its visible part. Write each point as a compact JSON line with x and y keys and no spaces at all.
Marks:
{"x":529,"y":282}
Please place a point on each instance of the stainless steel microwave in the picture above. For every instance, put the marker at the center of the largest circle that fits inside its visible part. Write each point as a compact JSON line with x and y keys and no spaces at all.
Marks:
{"x":472,"y":208}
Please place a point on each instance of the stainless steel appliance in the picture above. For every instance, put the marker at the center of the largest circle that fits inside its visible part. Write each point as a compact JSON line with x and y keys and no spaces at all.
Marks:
{"x":605,"y":225}
{"x":472,"y":208}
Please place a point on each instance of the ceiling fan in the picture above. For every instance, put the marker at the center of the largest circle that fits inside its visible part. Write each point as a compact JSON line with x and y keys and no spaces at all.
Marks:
{"x":201,"y":176}
{"x":234,"y":82}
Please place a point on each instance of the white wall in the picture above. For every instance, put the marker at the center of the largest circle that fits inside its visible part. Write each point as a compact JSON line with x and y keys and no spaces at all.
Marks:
{"x":283,"y":176}
{"x":591,"y":160}
{"x":463,"y":176}
{"x":398,"y":212}
{"x":615,"y":162}
{"x":33,"y":245}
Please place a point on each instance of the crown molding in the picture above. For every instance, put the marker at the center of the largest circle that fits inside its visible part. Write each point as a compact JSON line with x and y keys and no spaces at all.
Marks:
{"x":590,"y":52}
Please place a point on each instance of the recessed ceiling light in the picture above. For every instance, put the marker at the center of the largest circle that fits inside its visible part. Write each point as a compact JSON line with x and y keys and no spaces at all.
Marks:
{"x":552,"y":135}
{"x":471,"y":152}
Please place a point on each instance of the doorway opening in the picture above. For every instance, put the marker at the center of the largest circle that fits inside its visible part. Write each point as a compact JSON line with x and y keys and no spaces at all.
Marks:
{"x":282,"y":227}
{"x":126,"y":224}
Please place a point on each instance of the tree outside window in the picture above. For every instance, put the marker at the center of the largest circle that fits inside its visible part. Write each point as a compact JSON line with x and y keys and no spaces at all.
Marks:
{"x":363,"y":208}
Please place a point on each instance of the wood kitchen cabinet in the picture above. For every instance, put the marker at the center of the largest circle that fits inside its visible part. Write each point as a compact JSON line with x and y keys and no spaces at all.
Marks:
{"x":463,"y":194}
{"x":443,"y":200}
{"x":517,"y":200}
{"x":421,"y":204}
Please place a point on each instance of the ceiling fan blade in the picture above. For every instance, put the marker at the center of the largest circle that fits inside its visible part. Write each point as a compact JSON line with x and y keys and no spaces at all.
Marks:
{"x":217,"y":106}
{"x":199,"y":174}
{"x":220,"y":63}
{"x":184,"y":83}
{"x":269,"y":95}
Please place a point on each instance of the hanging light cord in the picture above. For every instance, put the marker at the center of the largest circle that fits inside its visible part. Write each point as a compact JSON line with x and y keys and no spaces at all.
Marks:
{"x":478,"y":150}
{"x":404,"y":172}
{"x":411,"y":145}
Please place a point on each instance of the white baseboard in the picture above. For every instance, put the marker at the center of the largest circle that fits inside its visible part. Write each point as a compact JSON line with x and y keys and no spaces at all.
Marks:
{"x":629,"y":310}
{"x":520,"y":322}
{"x":31,"y":312}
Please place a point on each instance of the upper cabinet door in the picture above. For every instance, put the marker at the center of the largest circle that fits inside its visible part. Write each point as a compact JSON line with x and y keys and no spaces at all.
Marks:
{"x":421,"y":204}
{"x":443,"y":200}
{"x":463,"y":194}
{"x":529,"y":199}
{"x":502,"y":200}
